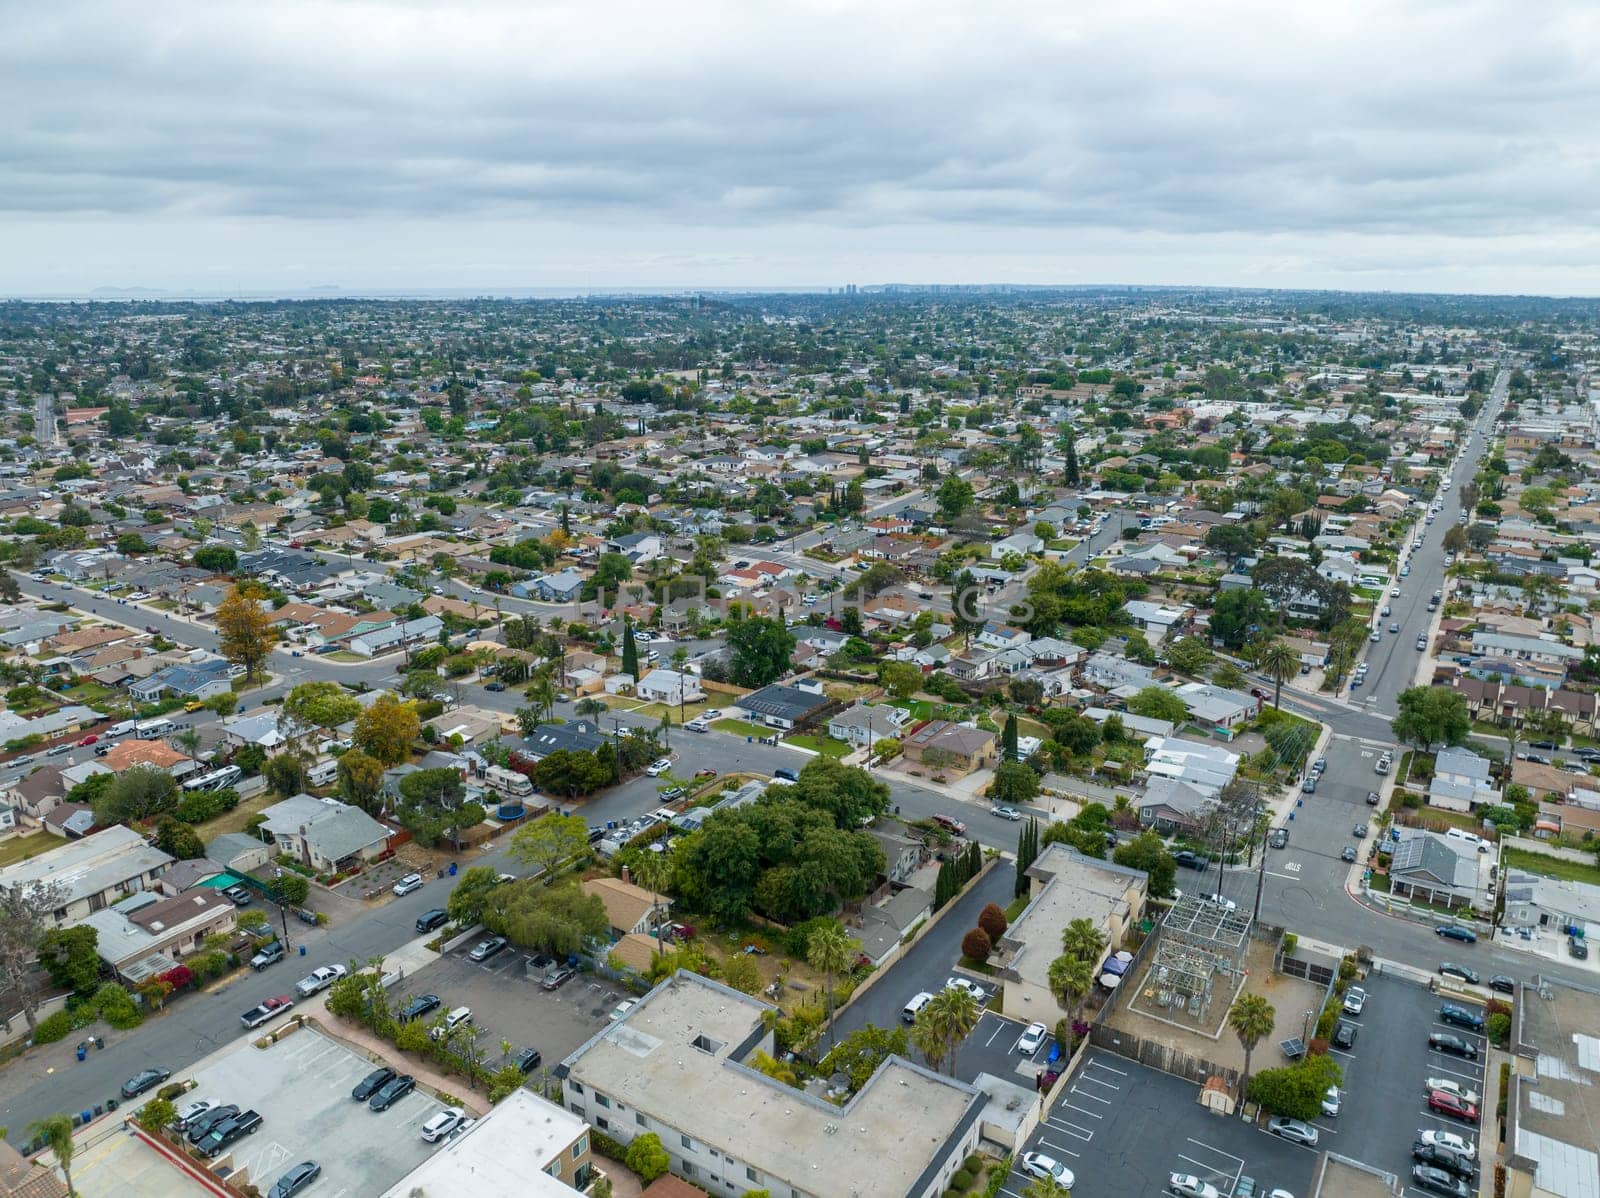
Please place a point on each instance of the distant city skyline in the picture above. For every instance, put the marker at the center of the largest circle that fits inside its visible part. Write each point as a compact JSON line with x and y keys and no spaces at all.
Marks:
{"x":416,"y":147}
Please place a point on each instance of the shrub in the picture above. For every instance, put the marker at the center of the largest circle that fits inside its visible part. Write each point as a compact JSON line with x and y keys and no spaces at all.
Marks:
{"x":1499,"y":1028}
{"x":1296,"y":1090}
{"x":156,"y":1114}
{"x":1347,"y":969}
{"x":172,"y":1091}
{"x":115,"y":1005}
{"x":53,"y":1027}
{"x":1290,"y":943}
{"x":647,"y":1158}
{"x":607,"y":1147}
{"x":993,"y":921}
{"x":976,"y":946}
{"x":961,"y":1180}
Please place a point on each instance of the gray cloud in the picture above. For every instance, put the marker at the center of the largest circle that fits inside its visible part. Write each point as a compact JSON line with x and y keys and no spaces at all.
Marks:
{"x":957,"y":122}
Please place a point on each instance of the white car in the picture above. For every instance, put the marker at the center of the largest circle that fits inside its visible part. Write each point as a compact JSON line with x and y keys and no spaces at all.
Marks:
{"x":710,"y":713}
{"x":622,"y":1008}
{"x":1331,"y":1101}
{"x":1187,"y":1185}
{"x":442,"y":1124}
{"x":408,"y":883}
{"x":1449,"y":1139}
{"x":1222,"y":902}
{"x":979,"y":995}
{"x":1355,"y":999}
{"x":1453,"y":1087}
{"x":1037,"y":1164}
{"x":1032,"y":1038}
{"x":319,"y":979}
{"x":658,"y":767}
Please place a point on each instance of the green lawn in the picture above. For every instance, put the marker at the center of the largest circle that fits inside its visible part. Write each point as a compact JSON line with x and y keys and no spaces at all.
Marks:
{"x":20,"y":848}
{"x":739,"y":728}
{"x":825,"y":745}
{"x":1552,"y":867}
{"x":88,"y":693}
{"x":920,"y":709}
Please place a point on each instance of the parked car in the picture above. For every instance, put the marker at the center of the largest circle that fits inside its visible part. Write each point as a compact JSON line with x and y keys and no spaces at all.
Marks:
{"x":1442,"y":1156}
{"x":1438,"y":1181}
{"x":494,"y":687}
{"x":372,"y":1083}
{"x":485,"y":949}
{"x":1446,"y":1085}
{"x":1008,"y":813}
{"x":1190,"y":859}
{"x":228,"y":1133}
{"x":1451,"y":931}
{"x":1187,"y":1185}
{"x":200,"y":1126}
{"x":528,"y":1060}
{"x":1355,"y":1000}
{"x":432,"y":918}
{"x":239,"y":896}
{"x":1296,"y":1131}
{"x":1360,"y":831}
{"x":1349,"y":854}
{"x":295,"y":1180}
{"x":261,"y":1012}
{"x":1442,"y":1102}
{"x":1344,"y":1034}
{"x":557,"y":977}
{"x":1037,"y":1164}
{"x":189,"y":1112}
{"x":319,"y":979}
{"x":1577,"y":947}
{"x":392,"y":1091}
{"x":1461,"y":1017}
{"x":1454,"y":1045}
{"x":144,"y":1080}
{"x":456,"y":1017}
{"x":443,"y":1124}
{"x":1221,"y":901}
{"x":422,"y":1004}
{"x":1278,"y":838}
{"x":950,"y":824}
{"x":1503,"y":983}
{"x":1032,"y":1038}
{"x":968,"y":986}
{"x":1372,"y":798}
{"x":658,"y":767}
{"x":1332,"y":1100}
{"x":1451,"y":970}
{"x":408,"y":883}
{"x":785,"y":774}
{"x":268,"y":954}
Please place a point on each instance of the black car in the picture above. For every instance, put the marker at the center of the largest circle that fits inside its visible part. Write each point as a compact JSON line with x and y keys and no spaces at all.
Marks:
{"x":220,"y":1137}
{"x":1454,"y":1045}
{"x":1344,"y":1034}
{"x":1441,"y":1157}
{"x":528,"y":1060}
{"x":144,"y":1080}
{"x":429,"y":920}
{"x":540,"y":962}
{"x":419,"y":1006}
{"x":203,"y":1123}
{"x":1191,"y":859}
{"x":1461,"y":1017}
{"x":1547,"y":745}
{"x":1451,"y":970}
{"x":1451,"y":931}
{"x":1437,"y":1181}
{"x":295,"y":1180}
{"x":392,"y":1091}
{"x":495,"y":687}
{"x":1503,"y":983}
{"x":372,"y":1083}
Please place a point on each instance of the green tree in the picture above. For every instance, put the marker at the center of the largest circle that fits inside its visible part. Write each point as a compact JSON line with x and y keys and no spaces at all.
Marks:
{"x":285,"y":774}
{"x":1083,"y":940}
{"x":360,"y":778}
{"x":1189,"y":655}
{"x":761,"y":649}
{"x":289,"y":889}
{"x":954,"y":497}
{"x":1014,"y":782}
{"x":178,"y":839}
{"x":1430,"y":716}
{"x":1280,"y":663}
{"x":244,"y":628}
{"x":558,"y":918}
{"x":56,"y":1133}
{"x":471,"y":891}
{"x":140,"y":792}
{"x":950,"y":1016}
{"x":219,"y":559}
{"x":549,"y":842}
{"x":387,"y":729}
{"x":900,"y":678}
{"x":1296,"y":1090}
{"x":321,"y":705}
{"x":647,"y":1158}
{"x":630,"y":651}
{"x":1008,"y":738}
{"x":830,"y":951}
{"x":1237,"y":615}
{"x":156,"y":1115}
{"x":1159,"y":703}
{"x":1147,"y":851}
{"x":1251,"y":1017}
{"x":71,"y":957}
{"x":1070,"y":979}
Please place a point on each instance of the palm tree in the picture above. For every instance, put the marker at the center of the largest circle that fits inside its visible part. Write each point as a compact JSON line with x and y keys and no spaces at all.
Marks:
{"x":1081,"y":939}
{"x":653,"y":871}
{"x":830,"y":951}
{"x":1279,"y":663}
{"x":1046,"y":1187}
{"x":950,"y":1015}
{"x":188,"y":740}
{"x":680,"y":662}
{"x":929,"y":1040}
{"x":1070,"y":979}
{"x":1251,"y":1017}
{"x":56,"y":1132}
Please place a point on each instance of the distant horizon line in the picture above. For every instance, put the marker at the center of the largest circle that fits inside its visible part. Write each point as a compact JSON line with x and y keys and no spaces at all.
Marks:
{"x":136,"y":294}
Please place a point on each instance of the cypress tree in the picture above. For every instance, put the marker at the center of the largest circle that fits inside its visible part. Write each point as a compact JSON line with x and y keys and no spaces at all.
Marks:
{"x":1072,"y":458}
{"x":630,"y":651}
{"x":1008,"y":738}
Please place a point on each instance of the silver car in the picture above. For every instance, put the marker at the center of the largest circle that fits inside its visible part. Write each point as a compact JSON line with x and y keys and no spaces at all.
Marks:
{"x":1296,"y":1131}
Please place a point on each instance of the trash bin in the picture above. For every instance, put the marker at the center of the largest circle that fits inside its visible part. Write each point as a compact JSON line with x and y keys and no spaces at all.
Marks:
{"x":452,"y":869}
{"x":302,"y":950}
{"x":83,"y":1051}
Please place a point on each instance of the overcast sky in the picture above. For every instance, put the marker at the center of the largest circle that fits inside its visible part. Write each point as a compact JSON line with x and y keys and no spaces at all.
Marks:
{"x":409,"y":144}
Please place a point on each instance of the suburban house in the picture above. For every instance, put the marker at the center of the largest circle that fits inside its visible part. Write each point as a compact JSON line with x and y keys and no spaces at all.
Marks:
{"x":1157,"y":619}
{"x":950,"y":748}
{"x":397,"y":636}
{"x":784,"y":706}
{"x":198,"y":680}
{"x":1217,"y":706}
{"x":93,"y":873}
{"x":575,"y":736}
{"x":669,"y":686}
{"x":692,"y":1036}
{"x":1205,"y":767}
{"x":324,"y":834}
{"x":145,"y":926}
{"x":1535,"y":901}
{"x":629,"y":908}
{"x":1170,"y":806}
{"x":864,"y":726}
{"x":1461,"y":781}
{"x":1063,"y":885}
{"x":1426,"y":866}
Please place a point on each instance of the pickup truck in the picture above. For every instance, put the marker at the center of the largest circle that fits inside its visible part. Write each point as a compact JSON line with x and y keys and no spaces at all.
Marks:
{"x":268,"y":954}
{"x":270,"y":1009}
{"x":319,"y":979}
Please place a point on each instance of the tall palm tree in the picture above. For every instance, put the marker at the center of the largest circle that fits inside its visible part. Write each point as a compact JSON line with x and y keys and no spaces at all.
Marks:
{"x":1081,"y":939}
{"x":830,"y":952}
{"x":1279,"y":663}
{"x":653,"y":871}
{"x":951,"y":1015}
{"x":929,"y":1039}
{"x":1070,"y":979}
{"x":1251,"y":1017}
{"x":56,"y":1132}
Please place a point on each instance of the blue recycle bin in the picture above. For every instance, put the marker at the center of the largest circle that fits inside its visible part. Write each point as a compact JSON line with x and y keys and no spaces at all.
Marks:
{"x":452,"y":869}
{"x":83,"y":1051}
{"x":302,"y":950}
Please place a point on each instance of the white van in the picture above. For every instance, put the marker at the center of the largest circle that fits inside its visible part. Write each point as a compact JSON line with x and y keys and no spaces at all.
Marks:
{"x":323,"y":773}
{"x":914,"y":1007}
{"x":452,"y":1021}
{"x":1466,"y":837}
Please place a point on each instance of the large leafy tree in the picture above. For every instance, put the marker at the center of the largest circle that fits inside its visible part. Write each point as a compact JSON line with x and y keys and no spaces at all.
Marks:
{"x":1147,"y":851}
{"x":360,"y":778}
{"x":471,"y":892}
{"x":1238,"y":615}
{"x":71,"y":957}
{"x":549,"y":842}
{"x":1159,"y":703}
{"x":847,"y":793}
{"x":26,"y":918}
{"x":555,"y":919}
{"x":1430,"y":716}
{"x":387,"y":729}
{"x":139,"y":793}
{"x":245,"y":629}
{"x":761,"y":648}
{"x":322,"y":705}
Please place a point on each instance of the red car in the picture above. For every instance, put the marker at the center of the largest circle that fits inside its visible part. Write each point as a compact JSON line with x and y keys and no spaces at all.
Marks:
{"x":87,"y":741}
{"x":1444,"y":1103}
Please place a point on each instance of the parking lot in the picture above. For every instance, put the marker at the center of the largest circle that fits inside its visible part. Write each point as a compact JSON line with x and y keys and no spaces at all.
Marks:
{"x":509,"y":1005}
{"x":1124,"y":1129}
{"x":301,"y":1088}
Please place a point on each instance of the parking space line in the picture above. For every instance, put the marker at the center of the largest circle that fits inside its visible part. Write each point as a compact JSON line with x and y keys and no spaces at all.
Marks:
{"x":1096,"y":1081}
{"x":1057,"y":1147}
{"x":1079,"y":1109}
{"x":1097,"y":1063}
